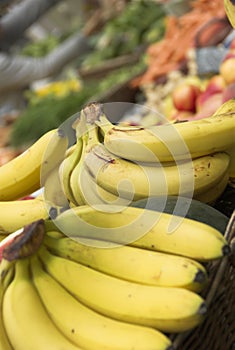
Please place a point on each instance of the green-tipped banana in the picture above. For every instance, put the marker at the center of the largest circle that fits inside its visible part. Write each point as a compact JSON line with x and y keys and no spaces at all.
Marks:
{"x":145,"y":229}
{"x":137,"y":181}
{"x":170,"y":142}
{"x":17,"y":214}
{"x":26,"y":321}
{"x":229,"y":6}
{"x":87,"y":328}
{"x":21,"y":176}
{"x":167,"y":309}
{"x":133,"y":264}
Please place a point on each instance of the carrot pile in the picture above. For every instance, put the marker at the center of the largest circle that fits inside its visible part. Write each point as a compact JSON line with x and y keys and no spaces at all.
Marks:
{"x":167,"y":54}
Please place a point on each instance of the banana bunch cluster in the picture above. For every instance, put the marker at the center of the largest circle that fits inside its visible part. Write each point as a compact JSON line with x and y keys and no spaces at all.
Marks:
{"x":120,"y":164}
{"x":71,"y":293}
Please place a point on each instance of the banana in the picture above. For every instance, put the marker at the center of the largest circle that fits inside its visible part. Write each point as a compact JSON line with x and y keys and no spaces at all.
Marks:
{"x":54,"y":195}
{"x":87,"y":328}
{"x":87,"y":131}
{"x":4,"y":340}
{"x":166,"y":309}
{"x":210,"y":196}
{"x":137,"y":181}
{"x":229,"y":6}
{"x":170,"y":142}
{"x":16,"y":214}
{"x":144,"y":228}
{"x":21,"y":176}
{"x":50,"y":180}
{"x":124,"y":262}
{"x":27,"y":323}
{"x":66,"y":168}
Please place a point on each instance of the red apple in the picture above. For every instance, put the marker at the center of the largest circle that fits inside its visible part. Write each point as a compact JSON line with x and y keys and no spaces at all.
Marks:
{"x":227,"y":70}
{"x":184,"y":97}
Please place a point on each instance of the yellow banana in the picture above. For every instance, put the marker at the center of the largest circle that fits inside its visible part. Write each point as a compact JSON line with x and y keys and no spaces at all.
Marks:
{"x":137,"y":181}
{"x":170,"y":142}
{"x":4,"y":340}
{"x":133,"y":264}
{"x":166,"y":309}
{"x":66,"y":169}
{"x":21,"y":176}
{"x":87,"y":328}
{"x":229,"y":6}
{"x":27,"y":323}
{"x":210,"y":196}
{"x":145,"y":229}
{"x":19,"y":213}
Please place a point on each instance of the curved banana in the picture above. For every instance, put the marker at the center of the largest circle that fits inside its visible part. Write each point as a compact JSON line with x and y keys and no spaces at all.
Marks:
{"x":145,"y":229}
{"x":21,"y":176}
{"x":66,"y":169}
{"x":231,"y":170}
{"x":166,"y":309}
{"x":4,"y":342}
{"x":170,"y":142}
{"x":133,"y":264}
{"x":229,"y":6}
{"x":25,"y":318}
{"x":87,"y":144}
{"x":137,"y":181}
{"x":210,"y":196}
{"x":87,"y":328}
{"x":16,"y":214}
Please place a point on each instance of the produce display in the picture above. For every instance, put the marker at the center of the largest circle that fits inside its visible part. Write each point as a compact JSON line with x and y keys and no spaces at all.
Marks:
{"x":108,"y":235}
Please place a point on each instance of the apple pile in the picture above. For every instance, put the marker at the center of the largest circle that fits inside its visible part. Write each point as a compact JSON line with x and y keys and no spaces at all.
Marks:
{"x":194,"y":101}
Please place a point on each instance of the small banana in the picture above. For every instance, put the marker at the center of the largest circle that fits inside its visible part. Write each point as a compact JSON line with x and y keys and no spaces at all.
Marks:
{"x":19,"y":213}
{"x":229,"y":6}
{"x":66,"y":169}
{"x":144,"y":228}
{"x":156,"y":268}
{"x":26,"y":321}
{"x":21,"y":176}
{"x":171,"y":142}
{"x":87,"y":328}
{"x":166,"y":309}
{"x":136,"y":181}
{"x":87,"y":143}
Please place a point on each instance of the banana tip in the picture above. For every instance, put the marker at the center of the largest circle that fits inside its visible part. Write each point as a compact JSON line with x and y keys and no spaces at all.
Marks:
{"x":202,"y":309}
{"x":200,"y":277}
{"x":226,"y":250}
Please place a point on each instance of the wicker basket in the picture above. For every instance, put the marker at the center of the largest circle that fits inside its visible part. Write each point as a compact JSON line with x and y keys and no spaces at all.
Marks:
{"x":217,"y":332}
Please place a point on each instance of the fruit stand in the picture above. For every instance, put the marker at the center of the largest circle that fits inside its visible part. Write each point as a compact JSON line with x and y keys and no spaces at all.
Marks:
{"x":117,"y":184}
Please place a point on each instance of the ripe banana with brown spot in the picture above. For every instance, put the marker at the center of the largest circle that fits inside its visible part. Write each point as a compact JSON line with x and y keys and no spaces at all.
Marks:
{"x":170,"y":142}
{"x":145,"y":229}
{"x":131,"y":263}
{"x":136,"y":181}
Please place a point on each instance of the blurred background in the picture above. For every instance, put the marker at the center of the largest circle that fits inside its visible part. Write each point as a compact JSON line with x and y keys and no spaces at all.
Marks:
{"x":55,"y":56}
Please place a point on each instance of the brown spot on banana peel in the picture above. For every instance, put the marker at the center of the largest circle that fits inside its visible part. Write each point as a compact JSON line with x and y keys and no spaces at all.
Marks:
{"x":26,"y":243}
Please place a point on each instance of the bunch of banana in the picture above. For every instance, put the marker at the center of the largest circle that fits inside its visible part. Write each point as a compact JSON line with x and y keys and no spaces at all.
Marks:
{"x":83,"y":293}
{"x":120,"y":164}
